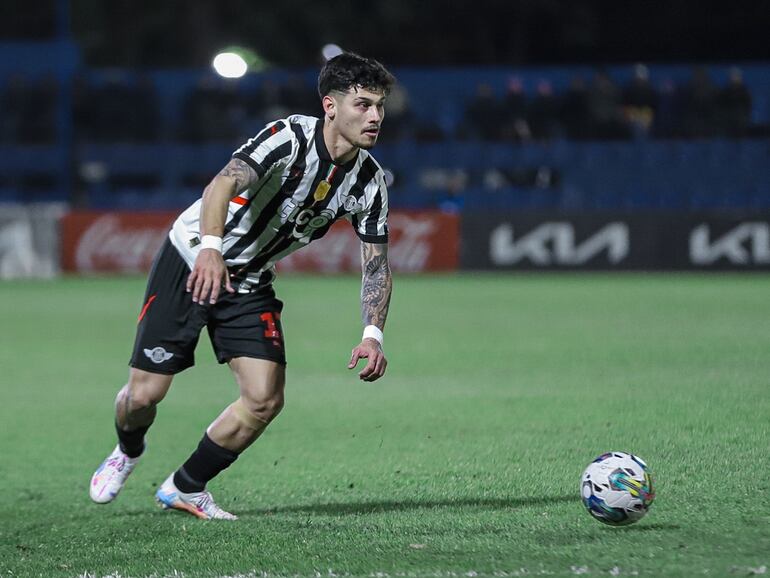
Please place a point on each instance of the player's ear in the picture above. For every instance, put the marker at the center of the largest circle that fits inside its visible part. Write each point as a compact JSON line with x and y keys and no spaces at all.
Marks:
{"x":329,"y":106}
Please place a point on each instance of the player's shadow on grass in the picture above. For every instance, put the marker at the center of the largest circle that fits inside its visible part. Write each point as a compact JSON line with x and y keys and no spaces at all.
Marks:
{"x":348,"y":508}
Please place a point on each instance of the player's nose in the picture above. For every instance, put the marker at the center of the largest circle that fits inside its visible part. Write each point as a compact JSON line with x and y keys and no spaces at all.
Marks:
{"x":375,"y":115}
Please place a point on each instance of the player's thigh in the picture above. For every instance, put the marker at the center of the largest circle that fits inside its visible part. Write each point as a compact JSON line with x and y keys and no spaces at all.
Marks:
{"x":261,"y":383}
{"x":247,"y":325}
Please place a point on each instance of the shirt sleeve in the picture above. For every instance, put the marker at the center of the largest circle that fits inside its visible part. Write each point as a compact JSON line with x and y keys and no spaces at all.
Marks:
{"x":371,"y":225}
{"x":266,"y":150}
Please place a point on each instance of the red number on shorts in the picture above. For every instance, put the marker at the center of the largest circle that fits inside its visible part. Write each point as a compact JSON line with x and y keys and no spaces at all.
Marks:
{"x":272,"y":331}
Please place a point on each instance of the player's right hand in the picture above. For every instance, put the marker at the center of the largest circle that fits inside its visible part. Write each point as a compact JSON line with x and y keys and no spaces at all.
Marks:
{"x":208,"y":276}
{"x":371,"y":350}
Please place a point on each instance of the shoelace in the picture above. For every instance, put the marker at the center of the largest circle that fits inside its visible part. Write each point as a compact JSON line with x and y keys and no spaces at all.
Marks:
{"x":118,"y":463}
{"x":206,"y":503}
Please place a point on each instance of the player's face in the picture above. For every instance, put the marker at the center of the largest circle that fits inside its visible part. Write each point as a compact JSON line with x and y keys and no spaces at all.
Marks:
{"x":358,"y":116}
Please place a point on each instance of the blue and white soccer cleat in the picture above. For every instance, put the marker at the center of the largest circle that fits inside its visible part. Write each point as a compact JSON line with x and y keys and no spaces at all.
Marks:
{"x":110,"y":477}
{"x":199,"y":504}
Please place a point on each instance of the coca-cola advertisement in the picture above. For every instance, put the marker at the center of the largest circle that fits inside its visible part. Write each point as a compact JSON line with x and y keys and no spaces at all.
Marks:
{"x":123,"y":242}
{"x":127,"y":242}
{"x":419,"y":241}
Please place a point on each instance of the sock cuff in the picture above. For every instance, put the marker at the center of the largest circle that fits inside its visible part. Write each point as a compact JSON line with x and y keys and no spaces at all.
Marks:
{"x":131,"y":442}
{"x":186,"y":483}
{"x":209,"y":445}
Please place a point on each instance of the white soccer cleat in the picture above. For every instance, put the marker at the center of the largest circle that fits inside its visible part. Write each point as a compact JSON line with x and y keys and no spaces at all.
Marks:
{"x":199,"y":504}
{"x":109,"y":479}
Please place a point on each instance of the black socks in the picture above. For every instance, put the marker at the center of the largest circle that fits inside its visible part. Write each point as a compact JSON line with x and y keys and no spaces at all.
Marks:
{"x":204,"y":463}
{"x":131,"y":442}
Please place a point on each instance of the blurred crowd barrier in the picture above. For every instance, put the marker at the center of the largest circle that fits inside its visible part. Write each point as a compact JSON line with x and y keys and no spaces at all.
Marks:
{"x":562,"y":138}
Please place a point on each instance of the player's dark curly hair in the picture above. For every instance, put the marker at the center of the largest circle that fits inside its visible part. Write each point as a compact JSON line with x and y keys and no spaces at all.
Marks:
{"x":349,"y":70}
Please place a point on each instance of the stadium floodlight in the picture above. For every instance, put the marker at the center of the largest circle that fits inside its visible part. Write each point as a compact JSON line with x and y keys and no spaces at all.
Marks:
{"x":230,"y":65}
{"x":329,"y":51}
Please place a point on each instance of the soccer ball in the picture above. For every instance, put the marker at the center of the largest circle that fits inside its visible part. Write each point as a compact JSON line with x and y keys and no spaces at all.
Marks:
{"x":617,"y":488}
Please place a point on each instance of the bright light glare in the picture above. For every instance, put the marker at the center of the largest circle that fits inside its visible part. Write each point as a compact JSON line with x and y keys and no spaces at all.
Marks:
{"x":329,"y":51}
{"x":230,"y":65}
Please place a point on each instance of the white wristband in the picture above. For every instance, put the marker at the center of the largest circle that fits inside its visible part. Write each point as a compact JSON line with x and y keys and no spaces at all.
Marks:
{"x":374,"y":332}
{"x":211,"y":242}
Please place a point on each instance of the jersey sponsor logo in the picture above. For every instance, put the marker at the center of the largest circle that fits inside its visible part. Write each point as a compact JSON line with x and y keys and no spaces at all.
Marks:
{"x":158,"y":355}
{"x":351,"y":204}
{"x":554,"y":244}
{"x":743,"y":245}
{"x":306,"y":221}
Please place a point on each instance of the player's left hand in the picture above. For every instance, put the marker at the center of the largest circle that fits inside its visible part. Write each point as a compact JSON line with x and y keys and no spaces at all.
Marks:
{"x":372,"y":350}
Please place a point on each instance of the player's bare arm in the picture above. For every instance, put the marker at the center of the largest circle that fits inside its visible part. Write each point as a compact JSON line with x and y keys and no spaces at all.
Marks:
{"x":376,"y":287}
{"x":209,"y":273}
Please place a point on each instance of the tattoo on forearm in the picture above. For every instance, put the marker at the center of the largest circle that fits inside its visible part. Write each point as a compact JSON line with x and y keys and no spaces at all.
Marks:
{"x":376,"y":285}
{"x":240,"y":172}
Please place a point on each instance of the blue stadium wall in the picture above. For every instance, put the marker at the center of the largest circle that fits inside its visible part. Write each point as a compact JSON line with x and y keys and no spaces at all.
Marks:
{"x":652,"y":186}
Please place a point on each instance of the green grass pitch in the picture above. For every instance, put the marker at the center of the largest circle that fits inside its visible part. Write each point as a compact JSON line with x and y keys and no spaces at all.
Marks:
{"x":463,"y":461}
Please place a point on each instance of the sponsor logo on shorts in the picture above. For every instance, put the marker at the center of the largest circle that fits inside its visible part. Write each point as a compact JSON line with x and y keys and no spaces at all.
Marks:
{"x":158,"y":355}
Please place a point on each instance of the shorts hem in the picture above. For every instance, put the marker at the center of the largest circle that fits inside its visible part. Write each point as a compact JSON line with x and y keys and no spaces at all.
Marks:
{"x":227,"y":358}
{"x":157,"y":369}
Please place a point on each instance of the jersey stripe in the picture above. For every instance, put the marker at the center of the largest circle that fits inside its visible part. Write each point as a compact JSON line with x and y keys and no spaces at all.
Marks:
{"x":268,"y":211}
{"x":252,"y":144}
{"x":374,"y":216}
{"x":291,"y":159}
{"x":262,"y":167}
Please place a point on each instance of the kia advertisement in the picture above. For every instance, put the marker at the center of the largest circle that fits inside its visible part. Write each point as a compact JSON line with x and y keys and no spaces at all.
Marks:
{"x":615,"y":241}
{"x":127,"y":242}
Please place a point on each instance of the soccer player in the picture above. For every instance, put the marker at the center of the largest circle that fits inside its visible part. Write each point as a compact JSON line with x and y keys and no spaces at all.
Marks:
{"x":281,"y":190}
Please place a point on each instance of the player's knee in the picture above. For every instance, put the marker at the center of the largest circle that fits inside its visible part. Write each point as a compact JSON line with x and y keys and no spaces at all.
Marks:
{"x":264,"y":407}
{"x":145,"y":389}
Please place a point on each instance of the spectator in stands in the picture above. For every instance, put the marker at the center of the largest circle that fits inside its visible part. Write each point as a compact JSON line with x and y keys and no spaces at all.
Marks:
{"x":268,"y":103}
{"x":39,"y":124}
{"x":699,"y":105}
{"x":13,"y":98}
{"x":640,"y":102}
{"x":514,"y":126}
{"x":205,"y":115}
{"x":144,"y":114}
{"x":667,"y":122}
{"x":83,"y":107}
{"x":574,"y":109}
{"x":299,"y":97}
{"x":400,"y":118}
{"x":112,"y":106}
{"x":734,"y":102}
{"x":483,"y":114}
{"x":29,"y":110}
{"x":543,"y":113}
{"x":235,"y":108}
{"x":118,"y":111}
{"x":605,"y":116}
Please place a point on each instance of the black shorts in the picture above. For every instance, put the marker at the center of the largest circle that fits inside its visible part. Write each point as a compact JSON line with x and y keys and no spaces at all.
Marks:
{"x":239,"y":324}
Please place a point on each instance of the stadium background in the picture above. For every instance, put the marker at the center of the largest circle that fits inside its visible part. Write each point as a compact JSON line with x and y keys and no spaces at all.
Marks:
{"x":642,"y":132}
{"x":518,"y":141}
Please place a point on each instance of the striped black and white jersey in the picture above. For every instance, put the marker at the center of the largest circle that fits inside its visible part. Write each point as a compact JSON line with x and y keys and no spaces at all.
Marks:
{"x":300,"y":193}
